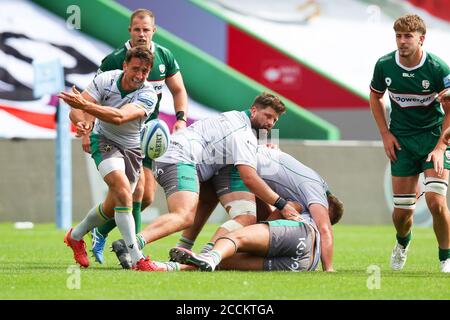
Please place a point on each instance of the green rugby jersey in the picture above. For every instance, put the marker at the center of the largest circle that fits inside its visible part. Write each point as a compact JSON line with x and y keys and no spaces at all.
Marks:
{"x":164,"y":66}
{"x":412,"y":92}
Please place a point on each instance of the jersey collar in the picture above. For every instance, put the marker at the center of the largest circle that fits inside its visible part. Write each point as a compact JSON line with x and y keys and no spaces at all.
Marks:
{"x":422,"y":61}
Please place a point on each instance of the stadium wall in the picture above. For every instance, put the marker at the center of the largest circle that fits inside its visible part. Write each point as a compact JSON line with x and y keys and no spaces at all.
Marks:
{"x":355,"y":172}
{"x":207,"y":80}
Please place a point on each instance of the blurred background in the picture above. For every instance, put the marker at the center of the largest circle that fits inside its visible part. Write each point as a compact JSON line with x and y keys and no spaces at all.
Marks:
{"x":317,"y":55}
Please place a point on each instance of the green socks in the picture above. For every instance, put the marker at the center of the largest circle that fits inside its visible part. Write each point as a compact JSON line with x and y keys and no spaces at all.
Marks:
{"x":404,"y":241}
{"x":444,"y":254}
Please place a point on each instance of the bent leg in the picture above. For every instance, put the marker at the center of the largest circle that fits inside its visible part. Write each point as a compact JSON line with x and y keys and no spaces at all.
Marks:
{"x":242,"y":210}
{"x":182,"y":206}
{"x":242,"y":262}
{"x":402,"y":216}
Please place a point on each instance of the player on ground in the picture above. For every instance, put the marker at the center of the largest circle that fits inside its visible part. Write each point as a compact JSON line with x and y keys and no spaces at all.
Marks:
{"x":412,"y":142}
{"x":294,"y":181}
{"x":165,"y":70}
{"x":120,"y":101}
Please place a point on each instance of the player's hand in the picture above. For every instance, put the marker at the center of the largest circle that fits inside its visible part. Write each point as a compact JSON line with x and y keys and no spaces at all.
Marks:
{"x":83,"y":128}
{"x":437,"y":156}
{"x":390,"y":145}
{"x":73,"y":99}
{"x":179,"y":124}
{"x":444,"y":95}
{"x":289,"y":213}
{"x":86,"y":143}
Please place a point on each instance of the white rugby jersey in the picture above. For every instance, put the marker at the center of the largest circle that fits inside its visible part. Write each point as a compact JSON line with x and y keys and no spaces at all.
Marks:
{"x":290,"y":178}
{"x":213,"y":143}
{"x":106,"y":90}
{"x":294,"y":181}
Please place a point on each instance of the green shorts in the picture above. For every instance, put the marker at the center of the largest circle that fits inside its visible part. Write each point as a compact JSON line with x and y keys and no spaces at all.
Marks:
{"x":174,"y":177}
{"x":411,"y":159}
{"x":228,"y":180}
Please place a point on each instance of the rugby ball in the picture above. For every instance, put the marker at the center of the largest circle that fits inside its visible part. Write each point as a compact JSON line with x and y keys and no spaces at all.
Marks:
{"x":155,"y":138}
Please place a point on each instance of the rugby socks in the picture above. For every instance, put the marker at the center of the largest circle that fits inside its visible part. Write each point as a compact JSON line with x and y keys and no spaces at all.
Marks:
{"x":137,"y":215}
{"x":95,"y":217}
{"x":404,"y":241}
{"x":185,"y":243}
{"x":215,"y":256}
{"x":125,"y":223}
{"x":140,"y":241}
{"x":207,"y":247}
{"x":444,"y":254}
{"x":106,"y":228}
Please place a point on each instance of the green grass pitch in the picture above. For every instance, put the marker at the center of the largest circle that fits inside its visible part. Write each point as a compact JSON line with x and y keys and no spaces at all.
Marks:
{"x":35,"y":264}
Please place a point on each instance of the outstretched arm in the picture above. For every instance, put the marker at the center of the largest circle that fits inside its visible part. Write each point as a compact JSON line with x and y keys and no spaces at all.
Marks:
{"x":257,"y":185}
{"x":322,"y":220}
{"x":115,"y":116}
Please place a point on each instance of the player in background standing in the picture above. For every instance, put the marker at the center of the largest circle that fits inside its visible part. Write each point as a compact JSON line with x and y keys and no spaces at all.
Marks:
{"x":413,"y":141}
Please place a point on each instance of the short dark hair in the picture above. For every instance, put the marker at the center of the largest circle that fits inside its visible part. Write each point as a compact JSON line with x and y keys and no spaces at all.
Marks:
{"x":141,"y":52}
{"x":265,"y":100}
{"x":410,"y":23}
{"x":335,"y":208}
{"x":142,"y":13}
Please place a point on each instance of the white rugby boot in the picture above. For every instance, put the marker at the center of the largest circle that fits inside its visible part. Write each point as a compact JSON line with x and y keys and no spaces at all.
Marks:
{"x":398,"y":257}
{"x":445,"y":266}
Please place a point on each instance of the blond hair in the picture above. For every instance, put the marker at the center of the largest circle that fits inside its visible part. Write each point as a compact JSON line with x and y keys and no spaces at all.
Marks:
{"x":410,"y":23}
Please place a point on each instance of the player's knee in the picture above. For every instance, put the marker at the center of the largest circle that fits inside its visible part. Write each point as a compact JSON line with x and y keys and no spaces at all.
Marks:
{"x":436,"y":185}
{"x":187,"y":218}
{"x":123,"y":194}
{"x":405,"y":201}
{"x":238,"y":208}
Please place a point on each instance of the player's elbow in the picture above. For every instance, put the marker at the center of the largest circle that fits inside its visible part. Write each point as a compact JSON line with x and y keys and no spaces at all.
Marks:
{"x":118,"y":120}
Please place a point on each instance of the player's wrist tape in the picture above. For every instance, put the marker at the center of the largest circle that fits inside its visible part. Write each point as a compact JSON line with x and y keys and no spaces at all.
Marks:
{"x":180,"y":116}
{"x":280,"y":203}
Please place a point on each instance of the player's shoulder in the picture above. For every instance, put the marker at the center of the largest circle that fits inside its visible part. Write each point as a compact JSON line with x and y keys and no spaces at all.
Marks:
{"x":435,"y":61}
{"x":387,"y":58}
{"x":162,"y":52}
{"x":114,"y":60}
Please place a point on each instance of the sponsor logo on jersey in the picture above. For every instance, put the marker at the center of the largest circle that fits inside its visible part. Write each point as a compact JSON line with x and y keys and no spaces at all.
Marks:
{"x":158,"y":85}
{"x":407,"y":75}
{"x":388,"y":81}
{"x":412,"y":100}
{"x":162,"y":68}
{"x":425,"y":84}
{"x":447,"y":81}
{"x":146,"y":99}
